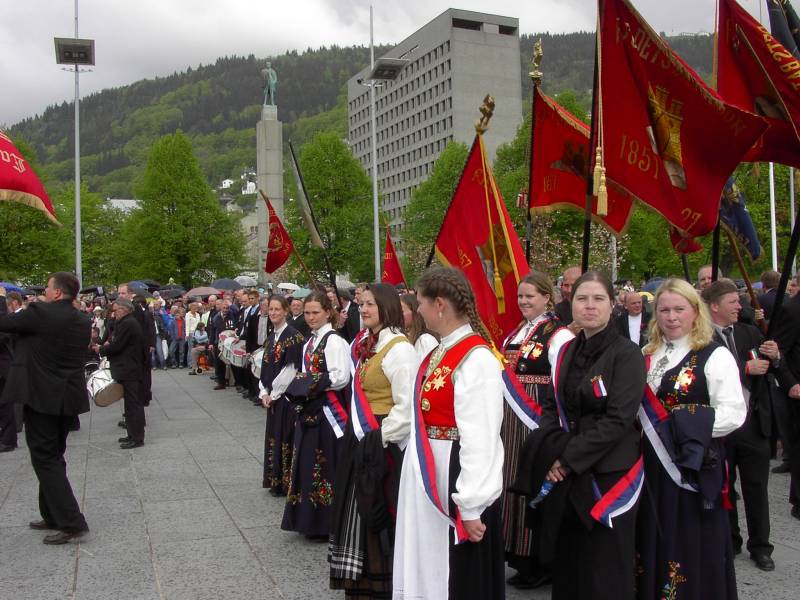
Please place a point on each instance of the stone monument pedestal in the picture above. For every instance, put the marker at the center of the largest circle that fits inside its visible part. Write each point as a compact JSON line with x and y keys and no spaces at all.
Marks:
{"x":269,"y":176}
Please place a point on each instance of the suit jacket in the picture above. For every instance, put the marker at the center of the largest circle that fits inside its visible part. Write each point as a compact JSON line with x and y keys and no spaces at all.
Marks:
{"x":748,"y":337}
{"x":6,"y":343}
{"x":563,"y":311}
{"x":621,"y":325}
{"x":251,"y":332}
{"x":352,"y":324}
{"x":604,"y":437}
{"x":767,"y":302}
{"x":299,"y":323}
{"x":46,"y":372}
{"x":787,"y":335}
{"x":125,"y":350}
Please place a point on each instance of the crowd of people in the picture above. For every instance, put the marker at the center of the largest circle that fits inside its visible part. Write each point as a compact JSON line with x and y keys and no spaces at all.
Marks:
{"x":596,"y":449}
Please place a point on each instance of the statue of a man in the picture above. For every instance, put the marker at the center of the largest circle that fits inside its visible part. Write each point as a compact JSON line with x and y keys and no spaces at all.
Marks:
{"x":271,"y":86}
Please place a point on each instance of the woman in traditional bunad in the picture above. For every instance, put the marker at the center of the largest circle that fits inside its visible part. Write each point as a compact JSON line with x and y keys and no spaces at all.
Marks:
{"x":368,"y":473}
{"x":586,"y":453}
{"x":449,"y":543}
{"x":529,"y":351}
{"x":694,"y":398}
{"x":416,"y":331}
{"x":318,"y":395}
{"x":282,"y":359}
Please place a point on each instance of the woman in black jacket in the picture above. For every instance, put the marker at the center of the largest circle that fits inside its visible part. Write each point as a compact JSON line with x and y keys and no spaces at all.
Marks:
{"x":586,"y":454}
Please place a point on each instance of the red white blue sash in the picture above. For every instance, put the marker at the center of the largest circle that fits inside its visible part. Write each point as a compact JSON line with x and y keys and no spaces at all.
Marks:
{"x":526,"y":408}
{"x":425,"y":460}
{"x":332,"y":409}
{"x":652,"y":414}
{"x":622,"y":496}
{"x":364,"y":419}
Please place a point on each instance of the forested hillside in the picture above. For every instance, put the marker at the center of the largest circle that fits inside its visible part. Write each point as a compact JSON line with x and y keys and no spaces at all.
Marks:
{"x":217,"y":106}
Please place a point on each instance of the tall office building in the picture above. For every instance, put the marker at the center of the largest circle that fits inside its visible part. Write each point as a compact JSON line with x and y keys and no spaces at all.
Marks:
{"x":454,"y":61}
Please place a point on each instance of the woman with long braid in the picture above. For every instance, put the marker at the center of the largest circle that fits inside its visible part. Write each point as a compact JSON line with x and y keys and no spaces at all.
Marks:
{"x":448,"y":540}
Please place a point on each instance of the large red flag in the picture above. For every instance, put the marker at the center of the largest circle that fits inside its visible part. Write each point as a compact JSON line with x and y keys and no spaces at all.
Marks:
{"x":756,"y":73}
{"x":477,"y":237}
{"x":279,"y":244}
{"x":392,"y":271}
{"x":18,"y":182}
{"x":560,"y":163}
{"x":667,"y":138}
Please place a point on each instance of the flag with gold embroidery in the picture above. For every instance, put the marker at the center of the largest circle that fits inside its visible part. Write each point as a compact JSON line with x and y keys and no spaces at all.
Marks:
{"x":757,"y":73}
{"x":667,"y":138}
{"x":560,"y":163}
{"x":392,"y":271}
{"x":478,"y":238}
{"x":18,"y":182}
{"x":279,"y":244}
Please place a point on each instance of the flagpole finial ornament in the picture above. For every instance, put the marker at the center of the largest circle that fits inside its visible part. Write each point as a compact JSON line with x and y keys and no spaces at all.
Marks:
{"x":536,"y":61}
{"x":487,"y":110}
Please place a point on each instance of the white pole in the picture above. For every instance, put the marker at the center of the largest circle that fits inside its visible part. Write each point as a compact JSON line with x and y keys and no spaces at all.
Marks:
{"x":772,"y":227}
{"x":376,"y":227}
{"x":78,"y":268}
{"x":791,"y":211}
{"x":613,"y":259}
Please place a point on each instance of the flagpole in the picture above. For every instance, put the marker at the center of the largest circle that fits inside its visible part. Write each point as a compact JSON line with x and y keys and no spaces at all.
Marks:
{"x":773,"y":230}
{"x":593,"y":141}
{"x":536,"y":80}
{"x":790,"y":255}
{"x":685,"y":264}
{"x":715,"y":252}
{"x":791,"y":212}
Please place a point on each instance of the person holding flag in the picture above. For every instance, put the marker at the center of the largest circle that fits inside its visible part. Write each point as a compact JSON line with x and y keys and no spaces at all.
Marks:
{"x":318,"y":395}
{"x":368,"y":472}
{"x":449,"y":542}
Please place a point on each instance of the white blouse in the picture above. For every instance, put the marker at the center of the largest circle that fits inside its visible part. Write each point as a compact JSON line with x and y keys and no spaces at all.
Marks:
{"x":724,"y":387}
{"x":282,"y":379}
{"x":558,"y":339}
{"x":400,"y":367}
{"x":337,"y":356}
{"x":478,"y":405}
{"x":424,"y":345}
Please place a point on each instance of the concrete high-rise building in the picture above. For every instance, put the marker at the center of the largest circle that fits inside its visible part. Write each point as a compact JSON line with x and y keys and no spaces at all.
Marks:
{"x":454,"y":61}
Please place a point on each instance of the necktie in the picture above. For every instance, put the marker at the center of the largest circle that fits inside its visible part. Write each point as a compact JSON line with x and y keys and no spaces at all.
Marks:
{"x":656,"y":373}
{"x":727,"y":334}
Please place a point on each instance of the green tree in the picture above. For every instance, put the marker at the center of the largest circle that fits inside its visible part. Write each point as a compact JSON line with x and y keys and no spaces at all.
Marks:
{"x":341,"y":195}
{"x":179,"y":230}
{"x":424,"y":214}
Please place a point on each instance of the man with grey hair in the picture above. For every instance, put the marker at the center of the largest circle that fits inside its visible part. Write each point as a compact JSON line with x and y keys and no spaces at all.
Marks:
{"x":126,"y":356}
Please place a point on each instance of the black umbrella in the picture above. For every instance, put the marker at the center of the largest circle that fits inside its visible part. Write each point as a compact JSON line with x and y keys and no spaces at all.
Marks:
{"x":151,"y":284}
{"x":226,"y":284}
{"x":172,"y":286}
{"x":171,"y":293}
{"x":138,"y":288}
{"x":94,"y":289}
{"x":36,"y":288}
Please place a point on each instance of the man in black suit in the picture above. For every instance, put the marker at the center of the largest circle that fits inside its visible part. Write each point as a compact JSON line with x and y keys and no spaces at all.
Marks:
{"x":258,"y":319}
{"x":297,"y":319}
{"x":8,"y":417}
{"x":352,"y":316}
{"x":127,"y":364}
{"x":748,"y":448}
{"x":769,"y":282}
{"x":633,"y":323}
{"x":563,"y":309}
{"x":46,"y":375}
{"x":787,"y":335}
{"x":222,"y":322}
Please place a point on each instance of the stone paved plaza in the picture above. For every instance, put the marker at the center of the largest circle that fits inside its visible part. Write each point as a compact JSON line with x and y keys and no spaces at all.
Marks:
{"x":185,"y":517}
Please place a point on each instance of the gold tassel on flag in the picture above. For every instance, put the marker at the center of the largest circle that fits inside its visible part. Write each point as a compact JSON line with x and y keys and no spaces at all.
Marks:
{"x":598,"y":159}
{"x":602,"y":195}
{"x":498,"y":291}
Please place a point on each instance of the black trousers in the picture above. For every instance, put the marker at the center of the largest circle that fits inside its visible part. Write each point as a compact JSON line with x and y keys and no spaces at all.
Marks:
{"x":8,"y":421}
{"x":134,"y":409}
{"x":748,"y":451}
{"x":794,"y":458}
{"x":240,"y":376}
{"x":219,"y":368}
{"x":47,"y":441}
{"x":784,"y":422}
{"x":147,"y":382}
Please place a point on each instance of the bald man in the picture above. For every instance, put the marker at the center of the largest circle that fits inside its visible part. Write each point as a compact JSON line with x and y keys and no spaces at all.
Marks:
{"x":563,"y":309}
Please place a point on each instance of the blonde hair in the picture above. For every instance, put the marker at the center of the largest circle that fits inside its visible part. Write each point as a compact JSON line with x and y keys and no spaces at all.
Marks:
{"x":701,"y":333}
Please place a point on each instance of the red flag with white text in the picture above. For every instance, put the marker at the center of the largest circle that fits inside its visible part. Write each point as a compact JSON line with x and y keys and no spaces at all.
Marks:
{"x":392,"y":271}
{"x":279,"y":244}
{"x":18,"y":182}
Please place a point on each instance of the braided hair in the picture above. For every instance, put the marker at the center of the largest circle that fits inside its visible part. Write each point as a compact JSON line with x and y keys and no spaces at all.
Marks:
{"x":450,"y":284}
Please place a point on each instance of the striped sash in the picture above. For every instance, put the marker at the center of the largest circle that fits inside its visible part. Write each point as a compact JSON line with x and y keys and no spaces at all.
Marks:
{"x":364,"y":419}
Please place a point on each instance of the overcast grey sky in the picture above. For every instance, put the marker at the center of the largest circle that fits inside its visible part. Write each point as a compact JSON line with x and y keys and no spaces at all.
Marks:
{"x":138,"y":39}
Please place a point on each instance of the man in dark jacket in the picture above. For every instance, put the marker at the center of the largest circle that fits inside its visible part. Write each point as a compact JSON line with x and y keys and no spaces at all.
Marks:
{"x":46,"y":375}
{"x":127,"y":363}
{"x":8,"y":408}
{"x":633,"y":322}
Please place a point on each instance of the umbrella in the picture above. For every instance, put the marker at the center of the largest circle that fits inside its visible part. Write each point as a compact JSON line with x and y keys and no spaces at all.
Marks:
{"x":96,"y":289}
{"x":301,"y":293}
{"x":203,"y":292}
{"x":10,"y":287}
{"x":138,"y":287}
{"x":226,"y":284}
{"x":38,"y":289}
{"x":151,"y":284}
{"x":288,"y":287}
{"x":344,"y":284}
{"x":652,"y":285}
{"x":246,"y":281}
{"x":171,"y":286}
{"x":171,"y":293}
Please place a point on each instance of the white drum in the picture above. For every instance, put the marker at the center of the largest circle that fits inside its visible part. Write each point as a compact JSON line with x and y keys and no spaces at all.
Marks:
{"x":255,"y":362}
{"x":226,"y":340}
{"x":239,"y":355}
{"x":103,"y":390}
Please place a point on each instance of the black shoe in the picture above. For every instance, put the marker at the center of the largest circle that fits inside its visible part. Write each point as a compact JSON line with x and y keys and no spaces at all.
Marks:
{"x":42,"y":526}
{"x":127,"y":438}
{"x":192,"y":372}
{"x":239,"y":388}
{"x":131,"y":444}
{"x":763,"y":562}
{"x":122,"y":424}
{"x":781,"y":468}
{"x":213,"y":377}
{"x":219,"y":387}
{"x":62,"y":537}
{"x":6,"y":447}
{"x":795,"y":512}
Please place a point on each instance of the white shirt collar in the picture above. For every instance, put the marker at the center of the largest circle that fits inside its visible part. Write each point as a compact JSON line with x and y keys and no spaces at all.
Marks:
{"x":319,"y":333}
{"x":279,"y":330}
{"x":454,"y":336}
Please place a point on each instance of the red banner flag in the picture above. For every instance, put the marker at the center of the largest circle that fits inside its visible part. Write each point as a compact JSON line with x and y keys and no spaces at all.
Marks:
{"x":756,"y":73}
{"x":477,"y":238}
{"x":18,"y":182}
{"x":279,"y":244}
{"x":560,"y":163}
{"x":667,"y":138}
{"x":392,"y":271}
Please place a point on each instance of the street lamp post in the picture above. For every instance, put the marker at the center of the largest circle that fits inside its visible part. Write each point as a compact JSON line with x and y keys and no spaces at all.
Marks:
{"x":76,"y":52}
